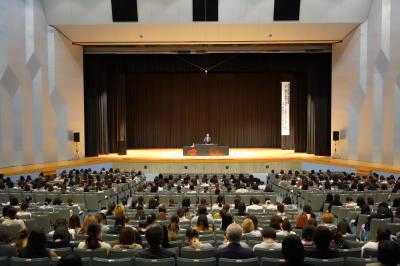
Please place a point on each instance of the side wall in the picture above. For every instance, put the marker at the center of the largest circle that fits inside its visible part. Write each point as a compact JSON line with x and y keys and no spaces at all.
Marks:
{"x":366,"y":88}
{"x":41,"y":87}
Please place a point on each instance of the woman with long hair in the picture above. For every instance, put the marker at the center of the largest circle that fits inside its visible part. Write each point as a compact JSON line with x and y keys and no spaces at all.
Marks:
{"x":127,"y":239}
{"x":193,"y":240}
{"x":74,"y":223}
{"x":36,"y":246}
{"x":202,"y":224}
{"x":88,"y":219}
{"x":93,"y":241}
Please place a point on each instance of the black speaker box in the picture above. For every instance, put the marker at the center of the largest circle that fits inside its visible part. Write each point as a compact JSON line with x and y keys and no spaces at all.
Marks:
{"x":286,"y":10}
{"x":122,"y":147}
{"x":77,"y":137}
{"x":124,"y":10}
{"x":335,"y":135}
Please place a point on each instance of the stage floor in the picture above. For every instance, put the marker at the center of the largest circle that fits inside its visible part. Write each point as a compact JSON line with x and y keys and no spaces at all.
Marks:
{"x":237,"y":155}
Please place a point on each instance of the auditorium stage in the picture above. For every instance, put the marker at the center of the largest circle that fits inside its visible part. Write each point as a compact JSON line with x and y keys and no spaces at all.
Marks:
{"x":240,"y":159}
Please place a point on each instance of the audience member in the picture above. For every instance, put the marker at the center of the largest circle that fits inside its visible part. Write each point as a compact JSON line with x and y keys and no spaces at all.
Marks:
{"x":269,"y":239}
{"x":154,"y":237}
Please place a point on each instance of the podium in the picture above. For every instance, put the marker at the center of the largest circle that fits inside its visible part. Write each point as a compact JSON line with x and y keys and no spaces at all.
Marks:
{"x":206,"y":150}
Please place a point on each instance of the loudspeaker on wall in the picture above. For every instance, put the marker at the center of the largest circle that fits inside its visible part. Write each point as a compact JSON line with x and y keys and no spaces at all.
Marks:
{"x":77,"y":137}
{"x":335,"y":135}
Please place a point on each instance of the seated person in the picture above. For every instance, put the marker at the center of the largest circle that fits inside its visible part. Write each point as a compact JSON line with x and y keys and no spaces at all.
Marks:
{"x":162,"y":213}
{"x":307,"y":236}
{"x":10,"y":217}
{"x":382,"y":234}
{"x":61,"y":238}
{"x":61,"y":222}
{"x":127,"y":239}
{"x":269,"y":239}
{"x":234,"y":250}
{"x":93,"y":240}
{"x":23,"y":213}
{"x":292,"y":251}
{"x":248,"y":228}
{"x":286,"y":228}
{"x":36,"y":246}
{"x":118,"y":225}
{"x":193,"y":240}
{"x":202,"y":210}
{"x":154,"y":237}
{"x":327,"y":221}
{"x":202,"y":224}
{"x":322,"y":239}
{"x":388,"y":254}
{"x":254,"y":204}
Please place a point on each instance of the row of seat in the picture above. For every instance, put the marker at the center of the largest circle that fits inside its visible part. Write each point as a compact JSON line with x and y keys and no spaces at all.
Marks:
{"x":349,"y":261}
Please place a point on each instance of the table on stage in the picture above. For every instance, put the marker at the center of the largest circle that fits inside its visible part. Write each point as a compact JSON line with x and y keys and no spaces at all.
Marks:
{"x":206,"y":150}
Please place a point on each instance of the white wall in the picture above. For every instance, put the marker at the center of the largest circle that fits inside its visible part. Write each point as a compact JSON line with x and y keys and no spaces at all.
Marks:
{"x":366,"y":87}
{"x":41,"y":87}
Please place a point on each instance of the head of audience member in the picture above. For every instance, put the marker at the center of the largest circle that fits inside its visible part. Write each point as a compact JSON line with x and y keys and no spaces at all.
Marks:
{"x":293,"y":250}
{"x":280,"y":207}
{"x":388,"y":253}
{"x":322,"y":238}
{"x":254,"y":220}
{"x":186,"y":202}
{"x":192,"y":236}
{"x":287,"y":201}
{"x":247,"y":226}
{"x":13,"y":201}
{"x":119,"y":221}
{"x":236,"y":201}
{"x":60,"y":222}
{"x":383,"y":233}
{"x":57,"y":201}
{"x":276,"y":222}
{"x":24,"y":206}
{"x":154,"y":235}
{"x":286,"y":226}
{"x":301,"y":220}
{"x":329,"y":196}
{"x":234,"y":233}
{"x":220,"y":201}
{"x":88,"y":220}
{"x":241,"y":209}
{"x":268,"y":234}
{"x":12,"y":213}
{"x":360,"y":202}
{"x":61,"y":234}
{"x":151,"y":218}
{"x":5,"y":210}
{"x":343,"y":227}
{"x":327,"y":218}
{"x":119,"y":210}
{"x":226,"y":220}
{"x":70,"y":260}
{"x":202,"y":222}
{"x":202,"y":210}
{"x":308,"y":233}
{"x":36,"y":245}
{"x":74,"y":222}
{"x":94,"y":235}
{"x":127,"y":236}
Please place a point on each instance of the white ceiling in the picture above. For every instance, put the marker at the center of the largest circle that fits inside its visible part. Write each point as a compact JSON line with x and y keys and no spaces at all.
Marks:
{"x":170,"y":22}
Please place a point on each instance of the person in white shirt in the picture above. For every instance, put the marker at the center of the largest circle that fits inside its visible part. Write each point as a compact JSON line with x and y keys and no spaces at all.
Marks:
{"x":254,"y":205}
{"x":382,"y":234}
{"x":269,"y":240}
{"x":219,"y":204}
{"x":93,"y":239}
{"x":242,"y":189}
{"x":23,"y":213}
{"x":11,"y":217}
{"x":61,"y":222}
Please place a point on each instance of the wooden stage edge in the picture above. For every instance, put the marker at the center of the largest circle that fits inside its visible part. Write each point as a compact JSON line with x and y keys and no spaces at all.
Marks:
{"x":237,"y":155}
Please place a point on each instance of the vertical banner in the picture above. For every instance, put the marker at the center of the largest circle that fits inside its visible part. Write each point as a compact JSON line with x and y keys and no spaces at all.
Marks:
{"x":285,"y":124}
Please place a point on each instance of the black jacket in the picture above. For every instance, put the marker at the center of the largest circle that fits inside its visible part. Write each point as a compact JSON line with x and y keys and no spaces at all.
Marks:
{"x":156,"y":253}
{"x":234,"y":251}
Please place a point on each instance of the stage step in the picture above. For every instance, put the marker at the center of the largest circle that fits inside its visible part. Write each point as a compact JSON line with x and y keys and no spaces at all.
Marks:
{"x":363,"y":172}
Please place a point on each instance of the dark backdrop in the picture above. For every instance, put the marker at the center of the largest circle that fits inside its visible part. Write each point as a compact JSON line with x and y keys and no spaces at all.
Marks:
{"x":168,"y":101}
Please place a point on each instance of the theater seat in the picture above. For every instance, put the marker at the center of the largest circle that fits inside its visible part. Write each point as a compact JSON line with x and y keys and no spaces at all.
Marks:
{"x":239,"y":262}
{"x":99,"y":252}
{"x":351,"y":261}
{"x":196,"y":262}
{"x":154,"y":262}
{"x":111,"y":262}
{"x":269,"y":253}
{"x":271,"y":262}
{"x":122,"y":253}
{"x":352,"y":252}
{"x":369,"y":253}
{"x":14,"y":261}
{"x":325,"y":262}
{"x":192,"y":253}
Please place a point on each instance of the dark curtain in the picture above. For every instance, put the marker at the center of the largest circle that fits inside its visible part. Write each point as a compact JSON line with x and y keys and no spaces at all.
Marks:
{"x":173,"y":110}
{"x":119,"y":95}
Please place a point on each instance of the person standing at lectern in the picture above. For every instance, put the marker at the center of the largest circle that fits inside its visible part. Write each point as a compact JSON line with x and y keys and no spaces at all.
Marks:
{"x":207,"y":139}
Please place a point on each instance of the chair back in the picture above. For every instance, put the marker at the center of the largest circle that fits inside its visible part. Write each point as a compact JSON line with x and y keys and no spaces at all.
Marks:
{"x":351,"y":252}
{"x":99,"y":252}
{"x":191,"y":253}
{"x":241,"y":262}
{"x":154,"y":262}
{"x":196,"y":262}
{"x":14,"y":261}
{"x":269,"y":253}
{"x":122,"y":253}
{"x":11,"y":229}
{"x":352,"y":261}
{"x":111,"y":262}
{"x":271,"y":262}
{"x":370,"y":253}
{"x":325,"y":262}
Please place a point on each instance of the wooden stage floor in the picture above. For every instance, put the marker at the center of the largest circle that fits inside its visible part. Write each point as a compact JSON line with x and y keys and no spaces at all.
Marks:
{"x":237,"y":155}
